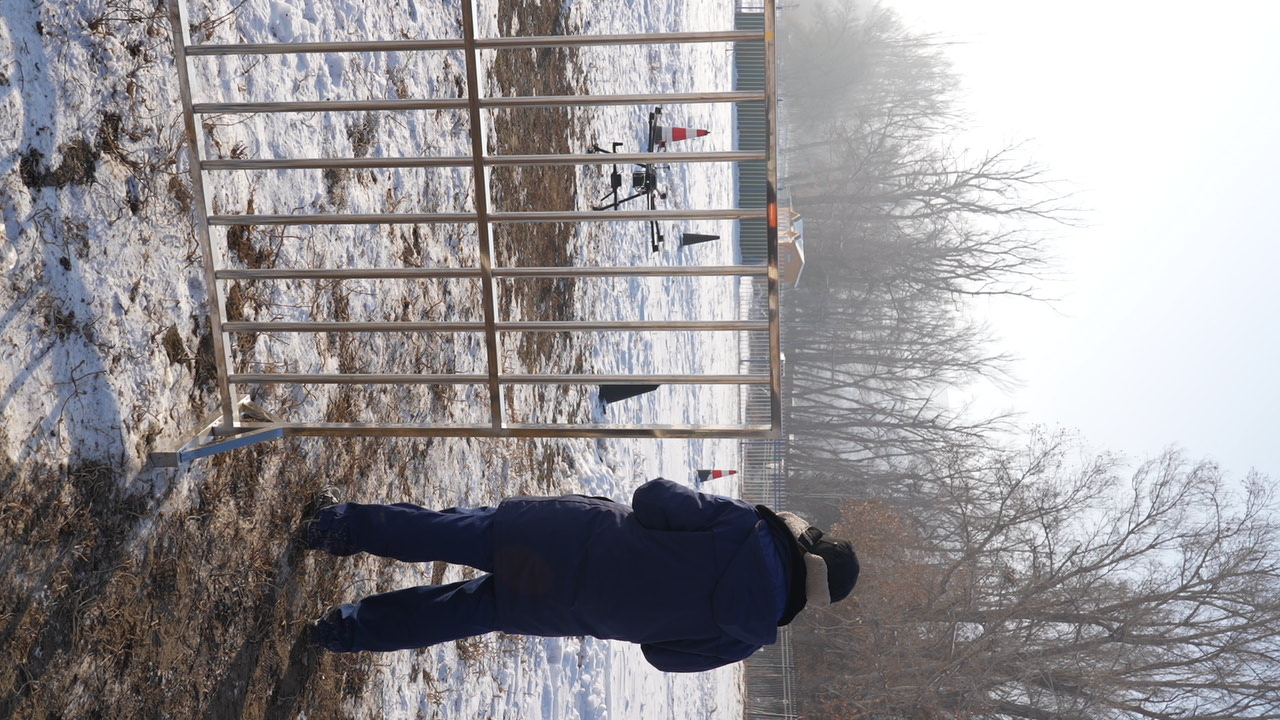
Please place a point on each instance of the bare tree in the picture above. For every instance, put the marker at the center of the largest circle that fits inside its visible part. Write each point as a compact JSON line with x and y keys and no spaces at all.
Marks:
{"x":902,"y":230}
{"x":845,"y":62}
{"x":1040,"y":587}
{"x":868,"y":367}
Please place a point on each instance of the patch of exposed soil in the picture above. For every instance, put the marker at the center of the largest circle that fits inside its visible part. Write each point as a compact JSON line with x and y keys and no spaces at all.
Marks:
{"x":545,"y":71}
{"x":114,"y":608}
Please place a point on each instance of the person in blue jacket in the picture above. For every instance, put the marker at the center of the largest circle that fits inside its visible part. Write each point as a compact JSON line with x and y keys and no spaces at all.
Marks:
{"x":698,"y":580}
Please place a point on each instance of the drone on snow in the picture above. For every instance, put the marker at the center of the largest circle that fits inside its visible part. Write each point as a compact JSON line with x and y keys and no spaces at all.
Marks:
{"x":644,"y":177}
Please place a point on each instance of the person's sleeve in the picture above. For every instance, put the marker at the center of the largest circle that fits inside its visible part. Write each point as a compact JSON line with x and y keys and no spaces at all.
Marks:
{"x":663,"y":505}
{"x":693,"y":656}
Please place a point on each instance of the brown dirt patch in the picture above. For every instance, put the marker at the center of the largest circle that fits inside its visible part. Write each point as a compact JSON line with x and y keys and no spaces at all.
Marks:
{"x":546,"y":71}
{"x":115,"y":608}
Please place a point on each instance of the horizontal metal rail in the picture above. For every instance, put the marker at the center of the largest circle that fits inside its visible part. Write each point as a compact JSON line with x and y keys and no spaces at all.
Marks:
{"x":491,"y":160}
{"x":461,"y":379}
{"x":514,"y":272}
{"x":517,"y":430}
{"x":494,"y":217}
{"x":494,"y":43}
{"x":302,"y":106}
{"x":510,"y":326}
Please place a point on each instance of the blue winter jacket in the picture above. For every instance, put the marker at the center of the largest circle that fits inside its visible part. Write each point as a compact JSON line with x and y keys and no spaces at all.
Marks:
{"x":681,"y":572}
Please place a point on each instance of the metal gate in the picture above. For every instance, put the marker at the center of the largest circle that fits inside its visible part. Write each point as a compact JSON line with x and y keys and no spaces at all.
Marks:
{"x":238,"y":422}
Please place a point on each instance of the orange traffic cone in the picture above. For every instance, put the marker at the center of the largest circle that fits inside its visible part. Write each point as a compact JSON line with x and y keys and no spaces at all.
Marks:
{"x":705,"y":475}
{"x":664,"y":135}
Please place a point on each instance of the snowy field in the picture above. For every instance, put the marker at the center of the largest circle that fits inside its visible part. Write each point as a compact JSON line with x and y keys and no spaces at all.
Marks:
{"x":102,"y":300}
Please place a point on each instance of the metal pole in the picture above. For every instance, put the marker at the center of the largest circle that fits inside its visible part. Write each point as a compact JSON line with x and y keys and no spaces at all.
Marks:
{"x":771,"y":166}
{"x":466,"y":273}
{"x":464,"y":103}
{"x":511,"y":326}
{"x":494,"y":217}
{"x":459,"y":379}
{"x":480,"y":178}
{"x":667,"y":158}
{"x":496,"y":43}
{"x":670,"y":432}
{"x":179,"y":24}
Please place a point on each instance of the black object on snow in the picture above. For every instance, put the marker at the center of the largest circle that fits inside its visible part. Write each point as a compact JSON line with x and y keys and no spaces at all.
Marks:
{"x":614,"y":393}
{"x":695,"y":238}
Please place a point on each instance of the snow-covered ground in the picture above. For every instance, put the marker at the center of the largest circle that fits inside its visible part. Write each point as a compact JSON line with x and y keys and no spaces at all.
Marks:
{"x":102,"y":294}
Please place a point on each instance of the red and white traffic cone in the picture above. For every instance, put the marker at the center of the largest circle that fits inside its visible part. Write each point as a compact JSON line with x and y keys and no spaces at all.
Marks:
{"x":666,"y":135}
{"x":705,"y":475}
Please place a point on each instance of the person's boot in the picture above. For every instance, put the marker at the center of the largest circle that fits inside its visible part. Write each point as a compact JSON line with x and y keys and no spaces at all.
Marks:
{"x":330,"y":632}
{"x":318,"y":532}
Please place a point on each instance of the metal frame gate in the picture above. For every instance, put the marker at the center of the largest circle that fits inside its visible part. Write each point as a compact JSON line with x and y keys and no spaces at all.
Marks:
{"x":238,"y":422}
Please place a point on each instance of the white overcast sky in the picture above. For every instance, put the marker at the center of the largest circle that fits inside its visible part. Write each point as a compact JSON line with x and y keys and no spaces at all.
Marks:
{"x":1164,"y":118}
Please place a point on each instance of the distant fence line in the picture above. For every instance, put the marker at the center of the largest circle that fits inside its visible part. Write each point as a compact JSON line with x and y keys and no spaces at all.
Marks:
{"x":770,"y":673}
{"x":771,"y":681}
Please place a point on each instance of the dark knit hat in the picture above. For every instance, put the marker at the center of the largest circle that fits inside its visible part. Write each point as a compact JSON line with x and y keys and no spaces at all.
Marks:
{"x":830,"y":566}
{"x":824,"y":569}
{"x":841,"y":562}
